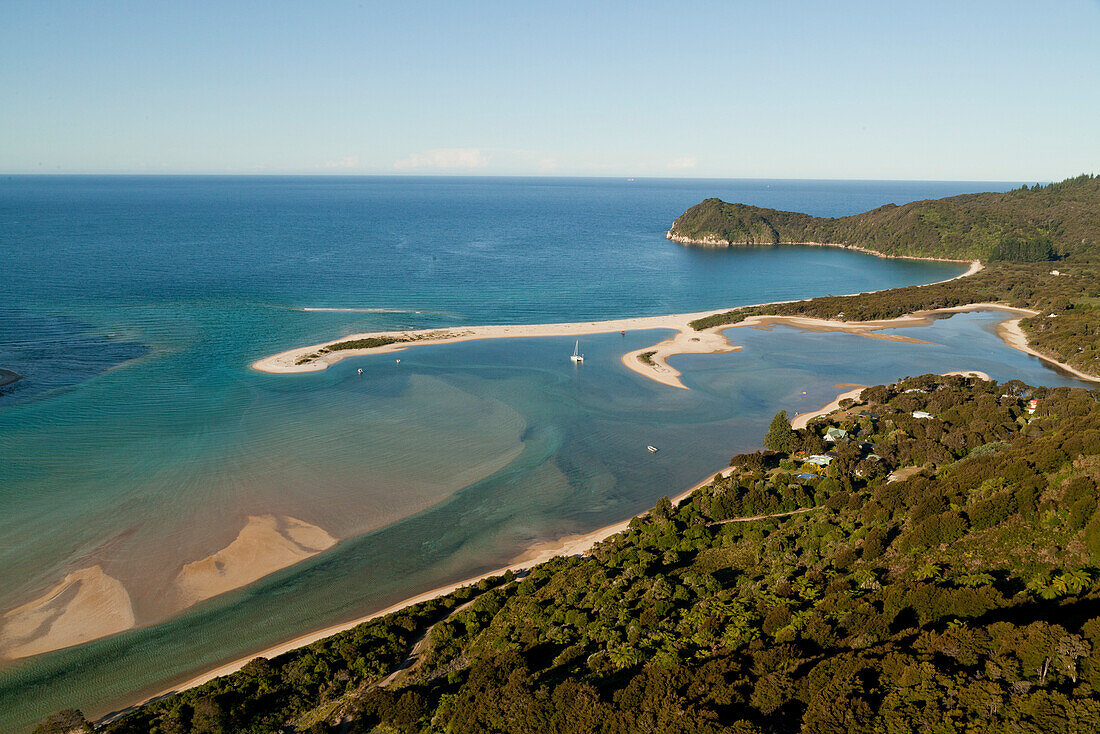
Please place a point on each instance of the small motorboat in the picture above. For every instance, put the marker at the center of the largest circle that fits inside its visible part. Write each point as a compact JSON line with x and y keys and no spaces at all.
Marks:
{"x":652,"y":449}
{"x":360,"y":370}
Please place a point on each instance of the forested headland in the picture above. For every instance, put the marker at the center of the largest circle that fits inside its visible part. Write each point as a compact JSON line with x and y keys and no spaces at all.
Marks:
{"x":931,"y":563}
{"x":1040,"y":245}
{"x":1060,"y":220}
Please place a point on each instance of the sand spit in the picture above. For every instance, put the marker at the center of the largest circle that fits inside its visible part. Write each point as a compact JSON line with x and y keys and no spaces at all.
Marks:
{"x":87,"y":605}
{"x":1015,"y":337}
{"x":802,"y":419}
{"x":266,"y":544}
{"x":651,"y":362}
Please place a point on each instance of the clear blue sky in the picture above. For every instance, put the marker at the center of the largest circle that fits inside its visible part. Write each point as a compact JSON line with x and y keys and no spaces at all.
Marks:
{"x":920,"y":90}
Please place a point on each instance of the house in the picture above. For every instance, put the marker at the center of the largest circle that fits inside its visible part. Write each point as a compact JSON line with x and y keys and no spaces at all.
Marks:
{"x":819,"y":460}
{"x":835,"y":434}
{"x":807,"y":476}
{"x":922,"y":414}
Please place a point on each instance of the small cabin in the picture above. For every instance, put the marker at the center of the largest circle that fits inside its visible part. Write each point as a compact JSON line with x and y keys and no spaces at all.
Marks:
{"x":922,"y":414}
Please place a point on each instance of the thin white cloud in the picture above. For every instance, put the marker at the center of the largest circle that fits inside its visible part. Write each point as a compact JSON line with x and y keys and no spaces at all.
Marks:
{"x":350,"y":161}
{"x":444,"y":158}
{"x":682,"y":164}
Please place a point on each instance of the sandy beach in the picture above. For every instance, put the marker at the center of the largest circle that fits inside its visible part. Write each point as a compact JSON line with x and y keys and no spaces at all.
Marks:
{"x":313,"y":358}
{"x":652,"y":361}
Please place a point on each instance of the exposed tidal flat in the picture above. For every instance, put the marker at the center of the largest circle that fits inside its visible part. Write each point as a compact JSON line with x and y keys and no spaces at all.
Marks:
{"x":166,"y":464}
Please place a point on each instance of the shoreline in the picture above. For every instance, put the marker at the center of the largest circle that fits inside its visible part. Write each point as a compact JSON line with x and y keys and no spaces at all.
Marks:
{"x":686,"y":341}
{"x":714,"y":242}
{"x":533,"y":555}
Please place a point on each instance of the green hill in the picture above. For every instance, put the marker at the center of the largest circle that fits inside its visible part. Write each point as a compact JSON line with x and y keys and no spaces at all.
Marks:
{"x":1038,"y":223}
{"x":941,"y":574}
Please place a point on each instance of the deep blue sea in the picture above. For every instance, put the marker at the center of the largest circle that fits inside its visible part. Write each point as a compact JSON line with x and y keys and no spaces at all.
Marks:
{"x":138,"y":440}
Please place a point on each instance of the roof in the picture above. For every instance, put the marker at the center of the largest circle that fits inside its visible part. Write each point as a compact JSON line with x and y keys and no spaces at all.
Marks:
{"x":819,"y":460}
{"x":835,"y":433}
{"x":922,"y":414}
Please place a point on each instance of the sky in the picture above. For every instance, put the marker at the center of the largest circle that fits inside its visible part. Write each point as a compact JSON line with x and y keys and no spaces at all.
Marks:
{"x":994,"y":91}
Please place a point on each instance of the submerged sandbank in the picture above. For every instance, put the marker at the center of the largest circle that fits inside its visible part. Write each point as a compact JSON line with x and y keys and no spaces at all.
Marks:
{"x":86,"y":605}
{"x":265,"y":545}
{"x":535,"y":554}
{"x":89,"y":603}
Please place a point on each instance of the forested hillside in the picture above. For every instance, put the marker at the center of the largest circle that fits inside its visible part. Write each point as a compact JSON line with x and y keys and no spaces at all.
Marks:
{"x":1040,"y":248}
{"x":930,"y":564}
{"x":1060,"y":220}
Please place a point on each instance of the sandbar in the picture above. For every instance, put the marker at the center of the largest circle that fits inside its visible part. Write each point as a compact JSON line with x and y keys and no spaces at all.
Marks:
{"x":652,"y":362}
{"x":265,"y":544}
{"x":87,"y":605}
{"x":655,"y":367}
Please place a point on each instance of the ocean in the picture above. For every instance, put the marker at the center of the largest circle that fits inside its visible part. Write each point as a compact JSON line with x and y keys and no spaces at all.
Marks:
{"x":139,"y":441}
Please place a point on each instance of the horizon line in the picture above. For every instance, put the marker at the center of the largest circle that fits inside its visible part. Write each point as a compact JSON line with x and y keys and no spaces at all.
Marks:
{"x":626,"y":178}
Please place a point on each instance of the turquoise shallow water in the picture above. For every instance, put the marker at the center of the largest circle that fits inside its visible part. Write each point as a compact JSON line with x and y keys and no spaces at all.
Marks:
{"x":140,"y":440}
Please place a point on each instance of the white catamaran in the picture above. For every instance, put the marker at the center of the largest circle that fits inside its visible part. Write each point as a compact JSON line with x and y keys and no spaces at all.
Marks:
{"x":577,"y":356}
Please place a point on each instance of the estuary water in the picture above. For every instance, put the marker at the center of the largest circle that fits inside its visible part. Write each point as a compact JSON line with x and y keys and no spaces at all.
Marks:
{"x":140,"y":443}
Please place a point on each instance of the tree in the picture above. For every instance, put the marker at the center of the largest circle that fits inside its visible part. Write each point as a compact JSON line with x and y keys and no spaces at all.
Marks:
{"x":64,"y":722}
{"x":780,"y":434}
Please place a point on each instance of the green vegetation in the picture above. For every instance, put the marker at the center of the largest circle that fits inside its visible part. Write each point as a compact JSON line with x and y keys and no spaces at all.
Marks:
{"x":368,"y":343}
{"x":965,"y":597}
{"x":780,"y":435}
{"x":1067,"y":327}
{"x":1017,"y":225}
{"x":1033,"y":225}
{"x":647,"y":357}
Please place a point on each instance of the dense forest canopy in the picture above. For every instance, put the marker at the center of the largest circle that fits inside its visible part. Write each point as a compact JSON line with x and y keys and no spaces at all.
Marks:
{"x":1041,"y":222}
{"x":939,"y":573}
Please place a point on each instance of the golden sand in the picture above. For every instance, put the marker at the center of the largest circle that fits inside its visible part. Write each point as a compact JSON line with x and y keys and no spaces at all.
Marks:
{"x":88,"y":604}
{"x":266,"y":544}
